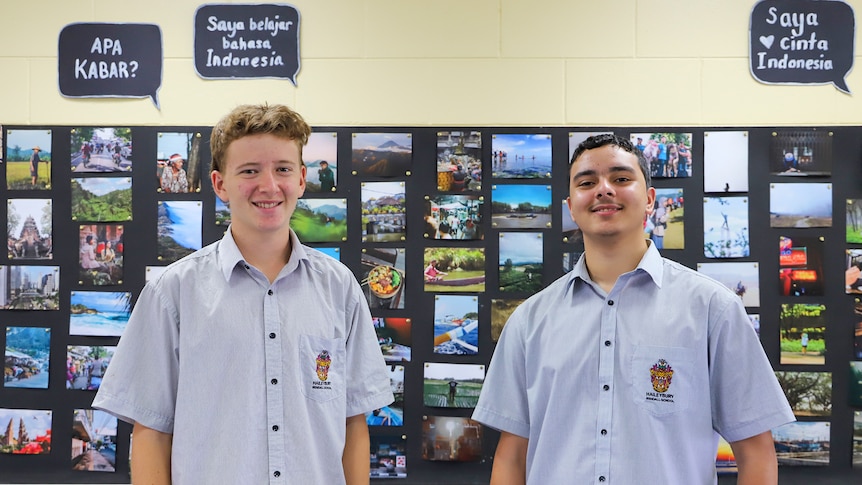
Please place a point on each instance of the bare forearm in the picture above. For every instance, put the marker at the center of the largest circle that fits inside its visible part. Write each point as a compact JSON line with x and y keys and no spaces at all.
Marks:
{"x":510,"y":461}
{"x":756,"y":461}
{"x":357,"y":450}
{"x":151,"y":456}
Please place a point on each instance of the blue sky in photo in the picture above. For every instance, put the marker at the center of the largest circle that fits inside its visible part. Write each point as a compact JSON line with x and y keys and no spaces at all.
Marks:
{"x":538,"y":195}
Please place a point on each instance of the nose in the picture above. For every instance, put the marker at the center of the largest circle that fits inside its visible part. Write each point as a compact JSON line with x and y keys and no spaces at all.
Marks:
{"x":267,"y":181}
{"x":604,"y":188}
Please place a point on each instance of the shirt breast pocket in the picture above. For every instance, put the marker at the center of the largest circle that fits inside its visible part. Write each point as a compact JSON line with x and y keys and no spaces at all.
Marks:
{"x":322,"y":367}
{"x":661,"y":379}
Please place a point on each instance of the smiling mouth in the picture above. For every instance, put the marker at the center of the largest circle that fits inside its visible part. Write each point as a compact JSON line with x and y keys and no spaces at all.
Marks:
{"x":607,"y":209}
{"x":266,"y":205}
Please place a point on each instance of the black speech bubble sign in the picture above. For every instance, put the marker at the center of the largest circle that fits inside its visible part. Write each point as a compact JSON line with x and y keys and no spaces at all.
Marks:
{"x":110,"y":60}
{"x":247,"y":41}
{"x":802,"y":42}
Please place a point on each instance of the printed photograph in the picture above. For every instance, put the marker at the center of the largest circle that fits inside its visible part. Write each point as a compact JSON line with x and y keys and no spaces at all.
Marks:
{"x":577,"y":137}
{"x":320,"y":156}
{"x":394,"y":337}
{"x":29,"y":230}
{"x":572,"y":234}
{"x":458,"y":270}
{"x":85,"y":366}
{"x":501,"y":310}
{"x":153,"y":272}
{"x":570,"y":259}
{"x":725,"y":161}
{"x":521,"y":263}
{"x":25,"y":431}
{"x":28,"y":353}
{"x":102,"y":199}
{"x":755,"y":322}
{"x":393,"y":414}
{"x":382,"y":154}
{"x":94,"y":441}
{"x":742,"y":278}
{"x":521,"y":206}
{"x":857,"y":439}
{"x":725,"y":227}
{"x":456,"y":324}
{"x":459,"y":161}
{"x":521,"y":156}
{"x":99,"y":313}
{"x":454,"y":217}
{"x":857,"y":341}
{"x":801,"y":153}
{"x":803,"y":443}
{"x":388,"y":456}
{"x":809,"y":393}
{"x":222,"y":213}
{"x":383,"y":277}
{"x":452,"y":385}
{"x":178,"y":163}
{"x":665,"y":227}
{"x":100,"y":254}
{"x":725,"y":462}
{"x":384,"y":212}
{"x":854,"y":394}
{"x":28,"y":159}
{"x":853,"y":271}
{"x":320,"y":220}
{"x":800,"y":262}
{"x":669,"y":155}
{"x":854,"y":221}
{"x":447,"y":438}
{"x":179,"y":229}
{"x":800,"y":205}
{"x":802,"y":333}
{"x":101,"y":149}
{"x":30,"y":287}
{"x":331,"y":251}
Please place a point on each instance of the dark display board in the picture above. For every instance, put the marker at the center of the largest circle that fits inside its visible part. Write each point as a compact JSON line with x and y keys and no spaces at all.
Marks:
{"x":744,"y":213}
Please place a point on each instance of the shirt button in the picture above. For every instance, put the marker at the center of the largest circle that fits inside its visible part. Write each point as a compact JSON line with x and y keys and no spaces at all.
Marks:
{"x":275,"y":381}
{"x":601,"y":478}
{"x":610,"y":303}
{"x":604,"y":432}
{"x":605,"y":387}
{"x":276,"y":474}
{"x":269,"y":292}
{"x":607,"y":343}
{"x":247,"y":267}
{"x":272,"y":335}
{"x":275,"y":427}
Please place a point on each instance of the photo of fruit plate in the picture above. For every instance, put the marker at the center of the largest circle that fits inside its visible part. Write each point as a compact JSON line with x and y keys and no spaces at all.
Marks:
{"x":384,"y":281}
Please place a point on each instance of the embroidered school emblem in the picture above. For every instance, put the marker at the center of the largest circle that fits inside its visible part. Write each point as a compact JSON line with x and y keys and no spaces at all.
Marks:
{"x":661,"y":375}
{"x":323,"y":362}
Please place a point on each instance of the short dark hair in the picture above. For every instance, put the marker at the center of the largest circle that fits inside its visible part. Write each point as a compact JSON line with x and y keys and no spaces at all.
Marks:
{"x":598,"y":141}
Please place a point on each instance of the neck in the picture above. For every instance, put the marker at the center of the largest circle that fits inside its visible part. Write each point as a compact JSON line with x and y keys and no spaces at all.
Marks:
{"x":608,"y":258}
{"x":266,"y":254}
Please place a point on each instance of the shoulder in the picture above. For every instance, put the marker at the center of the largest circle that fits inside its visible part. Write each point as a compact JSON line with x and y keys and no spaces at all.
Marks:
{"x":693,"y":283}
{"x":547,"y":301}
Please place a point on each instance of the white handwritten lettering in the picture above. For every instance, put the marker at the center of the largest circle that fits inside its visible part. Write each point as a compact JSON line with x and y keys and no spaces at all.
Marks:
{"x":242,"y":44}
{"x":787,"y":63}
{"x":85,"y":69}
{"x":273,"y":26}
{"x":230,"y":60}
{"x":795,"y":20}
{"x":102,"y":46}
{"x":216,"y":25}
{"x":809,"y":44}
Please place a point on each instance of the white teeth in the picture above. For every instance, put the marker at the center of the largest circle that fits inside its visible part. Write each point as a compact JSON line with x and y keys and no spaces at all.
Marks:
{"x":265,"y":205}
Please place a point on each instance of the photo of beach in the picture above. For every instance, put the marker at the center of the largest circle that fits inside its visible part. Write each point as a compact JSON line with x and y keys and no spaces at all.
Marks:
{"x":521,"y":156}
{"x":99,"y":313}
{"x":179,"y":229}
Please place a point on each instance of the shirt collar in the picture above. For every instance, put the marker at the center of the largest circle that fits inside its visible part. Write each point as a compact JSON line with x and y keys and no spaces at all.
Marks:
{"x":230,"y":255}
{"x":651,"y":263}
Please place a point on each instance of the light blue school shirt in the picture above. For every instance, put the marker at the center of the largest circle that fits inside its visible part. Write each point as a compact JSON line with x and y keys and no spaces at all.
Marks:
{"x":254,"y":380}
{"x":630,"y":387}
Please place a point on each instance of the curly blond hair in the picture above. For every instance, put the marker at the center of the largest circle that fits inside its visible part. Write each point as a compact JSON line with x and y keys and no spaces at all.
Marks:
{"x":256,"y":119}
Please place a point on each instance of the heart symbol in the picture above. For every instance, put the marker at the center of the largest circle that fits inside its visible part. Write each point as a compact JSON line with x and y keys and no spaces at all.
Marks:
{"x":767,"y":41}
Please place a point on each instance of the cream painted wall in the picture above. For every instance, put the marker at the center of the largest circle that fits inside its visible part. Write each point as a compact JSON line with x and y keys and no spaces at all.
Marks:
{"x":444,"y":63}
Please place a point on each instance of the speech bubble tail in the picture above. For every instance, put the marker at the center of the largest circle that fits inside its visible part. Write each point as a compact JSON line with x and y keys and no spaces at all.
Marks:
{"x":293,"y":80}
{"x":841,"y":85}
{"x":155,"y":98}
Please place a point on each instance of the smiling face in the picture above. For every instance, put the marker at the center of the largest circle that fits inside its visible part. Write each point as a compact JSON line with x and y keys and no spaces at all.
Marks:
{"x":608,"y":196}
{"x":262,"y":179}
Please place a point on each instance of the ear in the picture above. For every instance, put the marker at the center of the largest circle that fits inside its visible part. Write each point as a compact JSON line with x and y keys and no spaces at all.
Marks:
{"x":303,"y":170}
{"x":569,"y":204}
{"x":650,"y":200}
{"x":218,"y":186}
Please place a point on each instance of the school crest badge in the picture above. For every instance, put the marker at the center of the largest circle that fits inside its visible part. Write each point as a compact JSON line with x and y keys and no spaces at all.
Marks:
{"x":661,"y":375}
{"x":323,"y":362}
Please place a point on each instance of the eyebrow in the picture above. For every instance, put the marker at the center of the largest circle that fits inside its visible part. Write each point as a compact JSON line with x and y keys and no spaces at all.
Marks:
{"x":613,"y":169}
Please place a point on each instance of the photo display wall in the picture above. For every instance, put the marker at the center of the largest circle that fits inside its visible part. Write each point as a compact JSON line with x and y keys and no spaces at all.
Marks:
{"x":447,"y":230}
